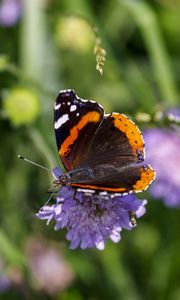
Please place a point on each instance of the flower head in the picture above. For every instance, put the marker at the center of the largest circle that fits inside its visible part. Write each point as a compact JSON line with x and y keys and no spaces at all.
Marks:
{"x":92,"y":218}
{"x":5,"y":283}
{"x":74,"y":33}
{"x":163,"y":153}
{"x":10,"y":12}
{"x":48,"y":267}
{"x":21,"y":106}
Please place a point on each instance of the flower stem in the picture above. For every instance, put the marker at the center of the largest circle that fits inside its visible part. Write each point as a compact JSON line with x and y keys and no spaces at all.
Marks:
{"x":10,"y":252}
{"x":42,"y":146}
{"x":146,"y":20}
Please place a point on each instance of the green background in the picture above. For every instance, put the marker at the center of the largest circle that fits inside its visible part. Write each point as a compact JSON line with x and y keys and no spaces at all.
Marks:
{"x":42,"y":54}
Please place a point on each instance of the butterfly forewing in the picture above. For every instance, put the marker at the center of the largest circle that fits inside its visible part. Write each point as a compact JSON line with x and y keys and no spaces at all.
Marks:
{"x":75,"y":122}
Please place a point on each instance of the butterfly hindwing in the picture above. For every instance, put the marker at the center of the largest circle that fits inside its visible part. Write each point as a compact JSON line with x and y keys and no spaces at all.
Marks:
{"x":133,"y":178}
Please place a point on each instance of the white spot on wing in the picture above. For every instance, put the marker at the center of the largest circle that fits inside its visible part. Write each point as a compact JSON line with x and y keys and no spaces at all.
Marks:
{"x":57,"y":106}
{"x":61,"y":121}
{"x":65,"y":91}
{"x":73,"y":108}
{"x":104,"y":193}
{"x":139,"y":191}
{"x":86,"y":191}
{"x":83,"y":100}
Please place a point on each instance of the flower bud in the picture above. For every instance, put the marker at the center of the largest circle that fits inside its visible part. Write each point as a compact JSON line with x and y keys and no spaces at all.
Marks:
{"x":21,"y":106}
{"x":75,"y":34}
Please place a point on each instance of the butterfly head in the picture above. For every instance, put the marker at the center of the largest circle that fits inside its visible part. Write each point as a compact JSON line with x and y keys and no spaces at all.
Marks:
{"x":63,"y":180}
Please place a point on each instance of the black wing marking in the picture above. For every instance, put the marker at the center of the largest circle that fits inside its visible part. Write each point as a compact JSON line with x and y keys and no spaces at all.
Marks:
{"x":114,"y":143}
{"x":75,"y":122}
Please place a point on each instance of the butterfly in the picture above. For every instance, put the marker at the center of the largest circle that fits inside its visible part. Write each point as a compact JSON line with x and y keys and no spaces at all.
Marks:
{"x":100,"y":152}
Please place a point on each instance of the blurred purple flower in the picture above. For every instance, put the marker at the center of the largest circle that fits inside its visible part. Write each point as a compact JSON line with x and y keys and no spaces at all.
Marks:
{"x":4,"y":280}
{"x":10,"y":12}
{"x":90,"y":218}
{"x":163,"y":152}
{"x":49,"y":269}
{"x":4,"y":283}
{"x":173,"y":113}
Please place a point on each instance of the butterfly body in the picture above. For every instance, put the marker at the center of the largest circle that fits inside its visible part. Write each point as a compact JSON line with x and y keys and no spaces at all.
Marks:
{"x":99,"y":152}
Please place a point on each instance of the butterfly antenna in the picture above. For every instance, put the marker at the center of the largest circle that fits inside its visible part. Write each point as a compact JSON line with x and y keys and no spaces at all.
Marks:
{"x":48,"y":200}
{"x":50,"y":190}
{"x":33,"y":163}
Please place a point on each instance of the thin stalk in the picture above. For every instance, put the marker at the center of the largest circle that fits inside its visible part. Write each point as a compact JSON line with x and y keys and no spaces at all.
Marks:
{"x":146,"y":20}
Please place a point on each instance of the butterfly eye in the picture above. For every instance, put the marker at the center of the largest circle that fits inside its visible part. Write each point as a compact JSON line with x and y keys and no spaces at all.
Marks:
{"x":63,"y":180}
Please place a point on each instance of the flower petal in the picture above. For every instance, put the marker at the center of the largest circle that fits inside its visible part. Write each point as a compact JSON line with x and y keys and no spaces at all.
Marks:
{"x":91,"y":218}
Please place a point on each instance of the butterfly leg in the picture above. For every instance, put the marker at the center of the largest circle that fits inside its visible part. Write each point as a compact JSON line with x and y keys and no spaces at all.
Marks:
{"x":75,"y":194}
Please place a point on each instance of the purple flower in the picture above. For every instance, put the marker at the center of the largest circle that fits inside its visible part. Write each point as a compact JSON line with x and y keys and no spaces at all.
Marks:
{"x":50,"y":271}
{"x":173,"y":114}
{"x":10,"y":12}
{"x":4,"y":283}
{"x":91,"y":218}
{"x":163,"y":152}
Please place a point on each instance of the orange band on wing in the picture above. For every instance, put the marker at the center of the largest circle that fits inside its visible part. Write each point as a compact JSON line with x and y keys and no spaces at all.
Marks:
{"x":147,"y":176}
{"x":131,"y":130}
{"x":92,"y":116}
{"x":121,"y":190}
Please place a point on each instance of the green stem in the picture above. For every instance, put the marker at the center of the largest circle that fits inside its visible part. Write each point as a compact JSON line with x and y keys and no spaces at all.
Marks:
{"x":43,"y":148}
{"x":145,"y":18}
{"x":15,"y":71}
{"x":118,"y":275}
{"x":38,"y":56}
{"x":83,"y":10}
{"x":11,"y":254}
{"x":32,"y":38}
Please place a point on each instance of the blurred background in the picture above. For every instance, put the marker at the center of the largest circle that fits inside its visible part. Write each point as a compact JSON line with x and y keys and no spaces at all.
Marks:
{"x":46,"y":46}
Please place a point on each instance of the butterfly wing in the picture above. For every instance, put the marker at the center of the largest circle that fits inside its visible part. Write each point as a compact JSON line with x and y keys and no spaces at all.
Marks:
{"x":113,"y":162}
{"x":75,"y":122}
{"x":118,"y":141}
{"x":122,"y":180}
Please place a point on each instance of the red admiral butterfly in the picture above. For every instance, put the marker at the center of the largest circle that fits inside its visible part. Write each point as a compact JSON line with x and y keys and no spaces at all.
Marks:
{"x":99,"y":151}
